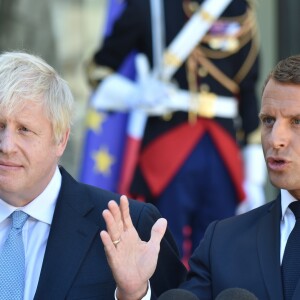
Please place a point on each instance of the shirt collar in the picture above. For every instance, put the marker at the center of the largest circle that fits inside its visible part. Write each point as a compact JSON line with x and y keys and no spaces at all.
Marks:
{"x":42,"y":207}
{"x":286,"y":200}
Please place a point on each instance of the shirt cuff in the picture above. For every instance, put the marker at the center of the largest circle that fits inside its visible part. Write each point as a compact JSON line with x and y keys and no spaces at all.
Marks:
{"x":146,"y":297}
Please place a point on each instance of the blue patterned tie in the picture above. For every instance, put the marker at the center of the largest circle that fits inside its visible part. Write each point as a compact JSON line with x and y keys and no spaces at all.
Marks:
{"x":12,"y":260}
{"x":291,"y":259}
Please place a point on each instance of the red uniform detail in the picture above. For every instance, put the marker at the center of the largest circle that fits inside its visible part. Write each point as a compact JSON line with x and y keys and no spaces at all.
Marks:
{"x":163,"y":157}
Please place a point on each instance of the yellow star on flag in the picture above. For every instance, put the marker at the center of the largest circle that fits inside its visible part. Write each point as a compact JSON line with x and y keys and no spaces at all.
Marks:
{"x":94,"y":120}
{"x":103,"y":161}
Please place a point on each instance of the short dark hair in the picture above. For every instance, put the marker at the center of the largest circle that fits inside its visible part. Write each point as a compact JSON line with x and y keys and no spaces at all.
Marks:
{"x":286,"y":71}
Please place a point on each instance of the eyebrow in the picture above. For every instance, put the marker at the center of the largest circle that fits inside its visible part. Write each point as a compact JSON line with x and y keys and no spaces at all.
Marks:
{"x":261,"y":115}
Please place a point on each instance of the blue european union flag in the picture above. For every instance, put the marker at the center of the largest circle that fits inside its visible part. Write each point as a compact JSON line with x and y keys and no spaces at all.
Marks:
{"x":103,"y":149}
{"x":105,"y":137}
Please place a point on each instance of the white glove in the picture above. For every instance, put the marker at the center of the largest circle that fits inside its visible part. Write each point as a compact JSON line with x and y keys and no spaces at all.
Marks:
{"x":112,"y":93}
{"x":117,"y":93}
{"x":255,"y":178}
{"x":152,"y":95}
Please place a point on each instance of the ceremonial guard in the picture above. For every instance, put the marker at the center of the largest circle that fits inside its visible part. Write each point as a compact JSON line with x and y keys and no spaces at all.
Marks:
{"x":200,"y":104}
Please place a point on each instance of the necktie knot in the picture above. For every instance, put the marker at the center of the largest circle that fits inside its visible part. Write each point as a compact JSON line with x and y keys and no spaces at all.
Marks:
{"x":295,"y":208}
{"x":18,"y":219}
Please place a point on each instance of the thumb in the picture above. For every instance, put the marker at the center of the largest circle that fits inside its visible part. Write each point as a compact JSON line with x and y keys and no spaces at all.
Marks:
{"x":158,"y":231}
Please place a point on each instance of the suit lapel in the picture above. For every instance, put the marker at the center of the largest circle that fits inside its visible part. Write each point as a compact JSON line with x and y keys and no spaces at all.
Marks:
{"x":70,"y":237}
{"x":268,"y":240}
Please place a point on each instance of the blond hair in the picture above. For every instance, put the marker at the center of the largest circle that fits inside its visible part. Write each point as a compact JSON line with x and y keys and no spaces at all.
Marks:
{"x":26,"y":77}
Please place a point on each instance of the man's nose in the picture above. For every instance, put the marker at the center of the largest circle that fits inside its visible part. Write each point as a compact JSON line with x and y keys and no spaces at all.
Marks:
{"x":280,"y":135}
{"x":7,"y":141}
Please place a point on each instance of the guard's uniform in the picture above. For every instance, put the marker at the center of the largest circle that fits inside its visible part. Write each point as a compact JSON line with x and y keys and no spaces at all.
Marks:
{"x":190,"y":166}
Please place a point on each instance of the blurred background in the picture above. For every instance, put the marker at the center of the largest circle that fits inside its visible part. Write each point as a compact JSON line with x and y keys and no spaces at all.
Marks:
{"x":66,"y":33}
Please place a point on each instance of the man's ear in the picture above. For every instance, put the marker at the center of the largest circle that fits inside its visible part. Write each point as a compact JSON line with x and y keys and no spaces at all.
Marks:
{"x":63,"y":143}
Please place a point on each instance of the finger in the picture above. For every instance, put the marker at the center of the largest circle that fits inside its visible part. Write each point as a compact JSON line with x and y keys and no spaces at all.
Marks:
{"x":111,"y":225}
{"x":109,"y":247}
{"x":116,"y":212}
{"x":125,"y":212}
{"x":158,"y":231}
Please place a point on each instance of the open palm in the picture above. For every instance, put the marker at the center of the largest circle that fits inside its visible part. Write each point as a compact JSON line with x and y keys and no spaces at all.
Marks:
{"x":132,"y":260}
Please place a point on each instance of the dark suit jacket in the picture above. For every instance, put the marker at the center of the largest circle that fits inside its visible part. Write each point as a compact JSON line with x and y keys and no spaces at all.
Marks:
{"x":243,"y":252}
{"x":75,"y":265}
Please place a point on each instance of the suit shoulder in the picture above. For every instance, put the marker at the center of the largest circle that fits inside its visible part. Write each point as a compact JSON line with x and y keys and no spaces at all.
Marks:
{"x":101,"y":197}
{"x":249,"y":217}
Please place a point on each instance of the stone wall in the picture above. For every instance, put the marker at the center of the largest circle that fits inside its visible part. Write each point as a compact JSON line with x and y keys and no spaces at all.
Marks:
{"x":65,"y":33}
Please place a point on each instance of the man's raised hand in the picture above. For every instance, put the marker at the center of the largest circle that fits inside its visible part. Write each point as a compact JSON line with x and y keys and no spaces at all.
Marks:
{"x":131,"y":260}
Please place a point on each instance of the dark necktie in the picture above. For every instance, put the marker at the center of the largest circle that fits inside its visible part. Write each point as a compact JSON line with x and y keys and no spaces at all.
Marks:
{"x":12,"y":260}
{"x":291,"y":259}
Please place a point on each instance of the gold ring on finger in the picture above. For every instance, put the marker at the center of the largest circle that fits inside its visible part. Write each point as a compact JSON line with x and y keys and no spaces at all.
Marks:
{"x":116,"y":242}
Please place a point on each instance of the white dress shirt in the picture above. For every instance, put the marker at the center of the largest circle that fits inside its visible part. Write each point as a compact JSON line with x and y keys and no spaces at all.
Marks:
{"x":35,"y":231}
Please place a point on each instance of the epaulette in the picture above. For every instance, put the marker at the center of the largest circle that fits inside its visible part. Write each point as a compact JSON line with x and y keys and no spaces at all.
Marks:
{"x":226,"y":37}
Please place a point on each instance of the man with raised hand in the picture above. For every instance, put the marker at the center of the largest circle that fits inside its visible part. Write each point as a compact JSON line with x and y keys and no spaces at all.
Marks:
{"x":50,"y":223}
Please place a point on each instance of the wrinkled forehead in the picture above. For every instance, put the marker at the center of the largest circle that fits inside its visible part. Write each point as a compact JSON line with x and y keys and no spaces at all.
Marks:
{"x":19,"y":105}
{"x":281,"y":97}
{"x":281,"y":90}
